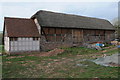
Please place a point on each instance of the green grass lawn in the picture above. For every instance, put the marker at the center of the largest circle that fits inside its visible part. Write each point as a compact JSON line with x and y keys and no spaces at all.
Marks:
{"x":66,"y":65}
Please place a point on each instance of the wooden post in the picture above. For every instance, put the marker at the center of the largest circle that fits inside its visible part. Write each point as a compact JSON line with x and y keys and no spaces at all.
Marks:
{"x":72,"y":35}
{"x":82,"y":36}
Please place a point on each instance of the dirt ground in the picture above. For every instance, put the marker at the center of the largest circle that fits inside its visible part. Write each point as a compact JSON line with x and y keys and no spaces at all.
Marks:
{"x":49,"y":53}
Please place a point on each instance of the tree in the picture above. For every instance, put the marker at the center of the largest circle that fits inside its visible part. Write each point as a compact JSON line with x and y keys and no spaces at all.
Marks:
{"x":116,"y":24}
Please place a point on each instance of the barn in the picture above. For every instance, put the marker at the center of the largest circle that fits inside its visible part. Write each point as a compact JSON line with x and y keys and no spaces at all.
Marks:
{"x":48,"y":30}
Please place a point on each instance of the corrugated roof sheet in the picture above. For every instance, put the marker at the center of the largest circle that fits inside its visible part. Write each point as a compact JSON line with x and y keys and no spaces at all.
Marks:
{"x":53,"y":19}
{"x":20,"y":27}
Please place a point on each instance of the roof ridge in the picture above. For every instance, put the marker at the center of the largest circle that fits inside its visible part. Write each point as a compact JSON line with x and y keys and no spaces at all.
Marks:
{"x":70,"y":14}
{"x":16,"y":18}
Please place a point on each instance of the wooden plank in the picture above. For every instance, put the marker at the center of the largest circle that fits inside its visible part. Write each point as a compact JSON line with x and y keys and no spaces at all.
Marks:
{"x":69,"y":31}
{"x":77,"y":35}
{"x":84,"y":32}
{"x":58,"y":38}
{"x":51,"y":30}
{"x":64,"y":31}
{"x":102,"y":37}
{"x":108,"y":32}
{"x":101,"y":32}
{"x":46,"y":30}
{"x":58,"y":31}
{"x":97,"y":32}
{"x":92,"y":32}
{"x":52,"y":38}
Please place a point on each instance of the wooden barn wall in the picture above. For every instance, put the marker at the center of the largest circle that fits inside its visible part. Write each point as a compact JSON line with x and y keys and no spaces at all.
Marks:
{"x":57,"y":37}
{"x":77,"y":35}
{"x":109,"y":35}
{"x":98,"y":35}
{"x":55,"y":34}
{"x":94,"y":35}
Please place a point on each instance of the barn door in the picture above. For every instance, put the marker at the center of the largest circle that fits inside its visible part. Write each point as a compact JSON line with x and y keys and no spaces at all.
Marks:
{"x":77,"y":35}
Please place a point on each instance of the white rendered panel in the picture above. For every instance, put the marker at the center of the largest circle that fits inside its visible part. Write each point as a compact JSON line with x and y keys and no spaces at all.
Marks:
{"x":25,"y":44}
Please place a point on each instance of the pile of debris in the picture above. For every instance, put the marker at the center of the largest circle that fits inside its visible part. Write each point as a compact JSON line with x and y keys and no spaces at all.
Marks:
{"x":92,"y":46}
{"x":115,"y":42}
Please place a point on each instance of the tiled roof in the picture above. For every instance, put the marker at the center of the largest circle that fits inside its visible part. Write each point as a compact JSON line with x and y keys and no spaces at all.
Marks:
{"x":20,"y":27}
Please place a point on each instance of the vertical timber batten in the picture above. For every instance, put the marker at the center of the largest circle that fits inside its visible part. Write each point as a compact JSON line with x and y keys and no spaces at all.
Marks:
{"x":82,"y":36}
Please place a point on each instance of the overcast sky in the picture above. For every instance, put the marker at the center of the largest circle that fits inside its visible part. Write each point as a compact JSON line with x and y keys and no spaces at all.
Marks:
{"x":99,"y":9}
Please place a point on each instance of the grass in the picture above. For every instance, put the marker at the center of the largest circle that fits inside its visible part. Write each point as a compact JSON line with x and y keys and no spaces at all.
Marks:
{"x":1,"y":62}
{"x":65,"y":65}
{"x":79,"y":50}
{"x":111,"y":52}
{"x":1,"y":48}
